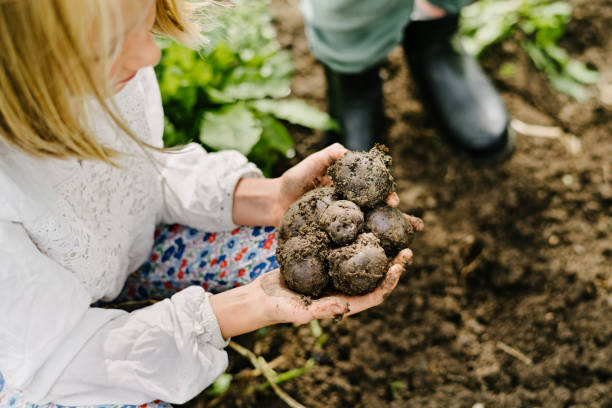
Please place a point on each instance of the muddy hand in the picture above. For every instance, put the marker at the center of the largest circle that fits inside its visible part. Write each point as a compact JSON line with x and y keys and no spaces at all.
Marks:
{"x":328,"y":306}
{"x":286,"y":306}
{"x":394,"y":201}
{"x":310,"y":172}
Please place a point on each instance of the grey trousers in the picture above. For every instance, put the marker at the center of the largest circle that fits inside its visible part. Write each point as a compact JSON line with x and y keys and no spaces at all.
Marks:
{"x":352,"y":35}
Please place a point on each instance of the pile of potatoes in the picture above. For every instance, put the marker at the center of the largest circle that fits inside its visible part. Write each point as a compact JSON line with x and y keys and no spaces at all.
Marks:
{"x":344,"y":235}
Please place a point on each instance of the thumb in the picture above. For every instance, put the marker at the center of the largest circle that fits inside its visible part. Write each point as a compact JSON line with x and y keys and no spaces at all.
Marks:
{"x":331,"y":153}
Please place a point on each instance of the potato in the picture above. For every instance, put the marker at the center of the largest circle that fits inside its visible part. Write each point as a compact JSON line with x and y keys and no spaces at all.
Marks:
{"x":306,"y":211}
{"x":363,"y":178}
{"x":343,"y":236}
{"x":302,"y":262}
{"x":342,"y":220}
{"x":357,"y":268}
{"x":391,"y":227}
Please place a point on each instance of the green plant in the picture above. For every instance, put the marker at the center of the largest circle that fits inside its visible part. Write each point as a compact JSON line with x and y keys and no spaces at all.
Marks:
{"x":538,"y":24}
{"x":227,"y":95}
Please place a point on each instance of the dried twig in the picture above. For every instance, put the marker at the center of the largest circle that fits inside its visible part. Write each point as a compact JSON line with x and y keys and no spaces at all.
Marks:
{"x":261,"y":364}
{"x":514,"y":352}
{"x":471,"y":267}
{"x":548,"y":132}
{"x":272,"y":364}
{"x":571,"y":143}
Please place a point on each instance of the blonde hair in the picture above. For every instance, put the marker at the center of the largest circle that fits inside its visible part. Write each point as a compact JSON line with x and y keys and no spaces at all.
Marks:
{"x":49,"y":54}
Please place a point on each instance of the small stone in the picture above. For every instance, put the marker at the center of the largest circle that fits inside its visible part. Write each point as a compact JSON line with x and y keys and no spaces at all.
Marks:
{"x":553,"y":240}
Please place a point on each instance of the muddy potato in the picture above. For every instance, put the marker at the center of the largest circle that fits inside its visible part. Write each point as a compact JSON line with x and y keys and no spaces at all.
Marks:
{"x":363,"y":178}
{"x":305,"y":211}
{"x":357,"y":269}
{"x":391,"y":227}
{"x":302,"y":262}
{"x":342,"y":220}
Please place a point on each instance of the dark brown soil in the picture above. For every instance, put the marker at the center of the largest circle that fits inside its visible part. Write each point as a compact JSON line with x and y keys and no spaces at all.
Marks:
{"x":515,"y":257}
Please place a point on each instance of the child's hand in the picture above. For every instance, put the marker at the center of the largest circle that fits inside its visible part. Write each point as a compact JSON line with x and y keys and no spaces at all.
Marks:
{"x":285,"y":306}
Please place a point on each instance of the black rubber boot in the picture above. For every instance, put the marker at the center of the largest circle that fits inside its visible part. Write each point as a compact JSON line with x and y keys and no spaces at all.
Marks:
{"x":355,"y":101}
{"x":457,"y":91}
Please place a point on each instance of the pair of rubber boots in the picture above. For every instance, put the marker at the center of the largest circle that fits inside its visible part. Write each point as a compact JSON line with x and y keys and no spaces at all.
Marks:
{"x":454,"y":88}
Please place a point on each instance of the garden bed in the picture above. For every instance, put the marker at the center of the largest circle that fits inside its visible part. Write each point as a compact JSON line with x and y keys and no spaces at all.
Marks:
{"x":509,"y":300}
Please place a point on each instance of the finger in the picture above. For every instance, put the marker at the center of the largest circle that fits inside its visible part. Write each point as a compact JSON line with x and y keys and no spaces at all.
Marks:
{"x":393,"y":199}
{"x":324,"y":180}
{"x":336,"y":151}
{"x":391,"y":280}
{"x":331,"y":153}
{"x":416,"y":222}
{"x":403,"y":258}
{"x":376,"y":297}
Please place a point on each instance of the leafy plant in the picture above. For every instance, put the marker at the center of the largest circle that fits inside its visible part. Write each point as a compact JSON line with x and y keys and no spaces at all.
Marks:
{"x":539,"y":24}
{"x":226,"y":96}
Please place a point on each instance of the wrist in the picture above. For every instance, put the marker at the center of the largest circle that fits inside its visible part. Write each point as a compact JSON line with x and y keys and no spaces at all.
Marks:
{"x":256,"y":202}
{"x":241,"y":310}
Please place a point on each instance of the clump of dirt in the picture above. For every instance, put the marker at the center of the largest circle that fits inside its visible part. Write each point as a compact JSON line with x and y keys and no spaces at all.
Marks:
{"x":354,"y":269}
{"x":342,"y":221}
{"x":391,"y":227}
{"x":363,"y":178}
{"x":357,"y":268}
{"x":302,"y":260}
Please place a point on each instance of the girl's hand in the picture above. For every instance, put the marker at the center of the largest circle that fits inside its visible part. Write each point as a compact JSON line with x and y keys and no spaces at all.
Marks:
{"x":267,"y":300}
{"x":285,"y":306}
{"x":259,"y":201}
{"x":308,"y":174}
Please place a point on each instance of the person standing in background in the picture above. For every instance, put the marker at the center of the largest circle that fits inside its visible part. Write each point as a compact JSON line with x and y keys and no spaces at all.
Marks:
{"x":351,"y":38}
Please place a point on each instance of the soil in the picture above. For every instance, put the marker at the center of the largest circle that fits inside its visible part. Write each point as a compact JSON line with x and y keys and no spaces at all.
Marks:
{"x":509,"y":300}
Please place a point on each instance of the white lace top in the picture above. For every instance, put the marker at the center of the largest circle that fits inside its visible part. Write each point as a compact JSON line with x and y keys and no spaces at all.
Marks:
{"x":71,"y":232}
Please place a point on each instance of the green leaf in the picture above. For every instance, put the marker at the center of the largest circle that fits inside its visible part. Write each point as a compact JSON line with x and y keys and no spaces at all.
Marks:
{"x":507,"y":70}
{"x":558,"y":54}
{"x":569,"y":86}
{"x":490,"y":33}
{"x":223,"y":58}
{"x":264,"y":157}
{"x":296,"y":112}
{"x":277,"y":137}
{"x":581,"y":73}
{"x":231,"y":127}
{"x":539,"y":58}
{"x":220,"y":386}
{"x":246,"y":83}
{"x":172,"y":137}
